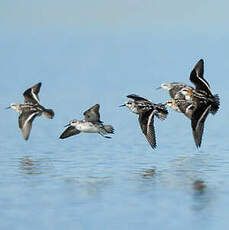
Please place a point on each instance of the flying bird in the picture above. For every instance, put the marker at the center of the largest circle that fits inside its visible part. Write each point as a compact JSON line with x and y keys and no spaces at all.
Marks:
{"x":30,"y":110}
{"x":196,"y":103}
{"x":90,"y":124}
{"x":146,"y":111}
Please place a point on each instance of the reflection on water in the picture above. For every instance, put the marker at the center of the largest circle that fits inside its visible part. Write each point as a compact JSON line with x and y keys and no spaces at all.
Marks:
{"x":184,"y":170}
{"x":148,"y":173}
{"x":202,"y":196}
{"x":33,"y":167}
{"x":199,"y":186}
{"x":180,"y":184}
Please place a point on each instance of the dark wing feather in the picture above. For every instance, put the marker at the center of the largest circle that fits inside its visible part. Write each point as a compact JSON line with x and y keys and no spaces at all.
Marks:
{"x":137,"y":98}
{"x":197,"y":78}
{"x":31,"y":94}
{"x":25,"y":123}
{"x":151,"y":131}
{"x":199,"y":67}
{"x":197,"y":121}
{"x":146,"y":121}
{"x":70,"y":131}
{"x":92,"y":114}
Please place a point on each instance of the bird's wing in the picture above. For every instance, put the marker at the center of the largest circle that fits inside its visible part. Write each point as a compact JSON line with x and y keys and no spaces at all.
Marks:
{"x":136,"y":97}
{"x":186,"y":107}
{"x":92,"y":114}
{"x":70,"y":131}
{"x":25,"y":122}
{"x":197,"y":77}
{"x":197,"y":121}
{"x":146,"y":121}
{"x":31,"y":94}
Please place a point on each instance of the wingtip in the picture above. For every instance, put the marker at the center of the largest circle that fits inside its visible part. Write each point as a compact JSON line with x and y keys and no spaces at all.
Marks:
{"x":132,"y":95}
{"x":24,"y":134}
{"x":153,"y":146}
{"x":129,"y":95}
{"x":197,"y":139}
{"x":198,"y":145}
{"x":38,"y":85}
{"x":62,"y":136}
{"x":199,"y":67}
{"x":200,"y":63}
{"x":96,"y":106}
{"x":26,"y":138}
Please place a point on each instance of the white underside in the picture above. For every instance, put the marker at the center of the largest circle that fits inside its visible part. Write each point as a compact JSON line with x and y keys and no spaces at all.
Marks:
{"x":87,"y":128}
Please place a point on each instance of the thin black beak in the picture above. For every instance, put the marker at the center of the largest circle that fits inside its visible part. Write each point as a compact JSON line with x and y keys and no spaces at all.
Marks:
{"x":8,"y":107}
{"x":158,"y":88}
{"x":67,"y":125}
{"x":122,"y":105}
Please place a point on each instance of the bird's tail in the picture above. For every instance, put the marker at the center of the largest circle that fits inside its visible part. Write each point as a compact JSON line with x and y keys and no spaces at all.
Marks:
{"x":109,"y":128}
{"x":215,"y":104}
{"x":48,"y":113}
{"x":162,"y":112}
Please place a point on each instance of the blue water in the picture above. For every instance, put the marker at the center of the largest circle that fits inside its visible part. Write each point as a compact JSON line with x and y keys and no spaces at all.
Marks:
{"x":89,"y":182}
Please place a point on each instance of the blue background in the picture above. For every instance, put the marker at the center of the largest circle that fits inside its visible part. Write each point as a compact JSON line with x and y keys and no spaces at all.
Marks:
{"x":88,"y":52}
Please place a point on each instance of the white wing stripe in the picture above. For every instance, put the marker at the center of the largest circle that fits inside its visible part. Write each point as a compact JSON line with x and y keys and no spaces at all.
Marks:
{"x":203,"y":114}
{"x":28,"y":119}
{"x":35,"y":96}
{"x":149,"y":121}
{"x":206,"y":84}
